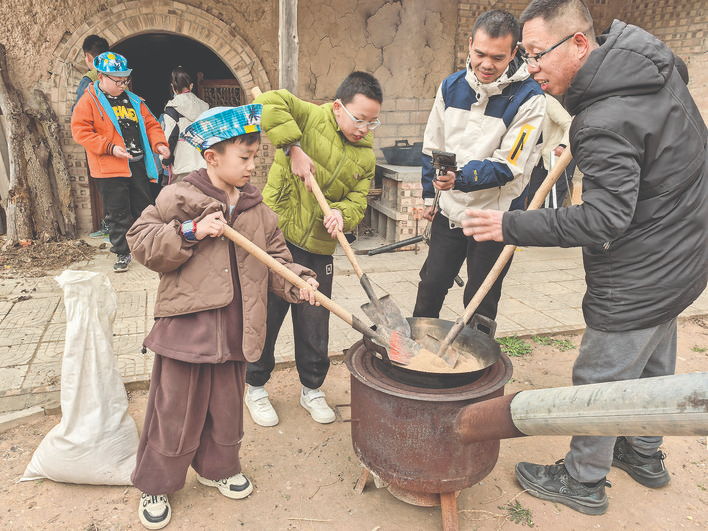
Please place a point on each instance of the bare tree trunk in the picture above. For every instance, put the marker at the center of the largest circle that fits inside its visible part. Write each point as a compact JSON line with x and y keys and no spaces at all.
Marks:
{"x":37,"y":156}
{"x":48,"y":119}
{"x":38,"y":171}
{"x":19,"y":221}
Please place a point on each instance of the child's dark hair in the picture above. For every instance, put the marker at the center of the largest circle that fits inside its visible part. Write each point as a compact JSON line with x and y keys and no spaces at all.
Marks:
{"x":180,"y":80}
{"x":95,"y":45}
{"x":497,"y":23}
{"x":249,"y":139}
{"x":359,"y":83}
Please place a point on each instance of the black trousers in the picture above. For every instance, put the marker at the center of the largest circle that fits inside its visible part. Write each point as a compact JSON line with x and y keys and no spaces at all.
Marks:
{"x":448,"y":250}
{"x":310,"y":328}
{"x":124,"y":199}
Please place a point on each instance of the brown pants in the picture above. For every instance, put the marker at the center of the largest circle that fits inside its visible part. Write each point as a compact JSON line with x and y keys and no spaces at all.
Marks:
{"x":194,"y":416}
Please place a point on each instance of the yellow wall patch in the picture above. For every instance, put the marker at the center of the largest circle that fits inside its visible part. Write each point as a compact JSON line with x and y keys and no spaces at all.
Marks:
{"x":520,"y":143}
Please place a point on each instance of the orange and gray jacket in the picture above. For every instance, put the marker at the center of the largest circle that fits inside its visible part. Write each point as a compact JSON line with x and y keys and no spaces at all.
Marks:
{"x":95,"y":126}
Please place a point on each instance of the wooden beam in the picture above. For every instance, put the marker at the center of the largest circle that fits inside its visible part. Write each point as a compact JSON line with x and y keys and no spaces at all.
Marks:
{"x":289,"y":46}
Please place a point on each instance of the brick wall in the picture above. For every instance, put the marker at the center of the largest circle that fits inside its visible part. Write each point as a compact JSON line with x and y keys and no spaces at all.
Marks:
{"x":683,"y":26}
{"x":401,"y":119}
{"x":134,"y":18}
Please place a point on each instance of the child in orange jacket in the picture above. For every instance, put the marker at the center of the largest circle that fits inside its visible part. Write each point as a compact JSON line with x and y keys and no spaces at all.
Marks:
{"x":119,"y":134}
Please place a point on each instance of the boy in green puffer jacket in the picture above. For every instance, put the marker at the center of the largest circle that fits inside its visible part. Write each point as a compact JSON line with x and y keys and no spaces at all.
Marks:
{"x":331,"y":143}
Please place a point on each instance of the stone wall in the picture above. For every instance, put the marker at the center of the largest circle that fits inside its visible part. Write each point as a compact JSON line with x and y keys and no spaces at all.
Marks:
{"x":410,"y":45}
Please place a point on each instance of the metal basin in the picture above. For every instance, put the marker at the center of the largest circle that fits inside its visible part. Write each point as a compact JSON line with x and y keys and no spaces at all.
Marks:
{"x":472,"y":342}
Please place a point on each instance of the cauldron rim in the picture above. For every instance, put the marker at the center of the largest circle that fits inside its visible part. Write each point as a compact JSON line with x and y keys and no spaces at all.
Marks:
{"x":492,"y":378}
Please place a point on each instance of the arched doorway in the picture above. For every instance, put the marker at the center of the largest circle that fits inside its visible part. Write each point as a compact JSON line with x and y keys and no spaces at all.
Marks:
{"x":131,"y":20}
{"x":152,"y":56}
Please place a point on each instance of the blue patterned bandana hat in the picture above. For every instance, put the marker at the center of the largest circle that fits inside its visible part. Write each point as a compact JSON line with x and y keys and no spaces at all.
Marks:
{"x":221,"y":123}
{"x":112,"y":64}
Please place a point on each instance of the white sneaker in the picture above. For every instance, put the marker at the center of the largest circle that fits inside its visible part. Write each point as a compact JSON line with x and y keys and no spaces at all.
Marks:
{"x":313,"y":400}
{"x":154,"y":511}
{"x":236,"y":487}
{"x":259,"y":406}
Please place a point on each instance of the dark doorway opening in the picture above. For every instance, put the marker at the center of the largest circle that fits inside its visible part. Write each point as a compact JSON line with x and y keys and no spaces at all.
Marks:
{"x":153,"y":56}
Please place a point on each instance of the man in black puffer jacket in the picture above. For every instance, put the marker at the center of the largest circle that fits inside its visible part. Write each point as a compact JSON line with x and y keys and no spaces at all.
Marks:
{"x":640,"y":142}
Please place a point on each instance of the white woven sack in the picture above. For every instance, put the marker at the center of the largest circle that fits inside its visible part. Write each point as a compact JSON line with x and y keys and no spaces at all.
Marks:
{"x":96,"y":440}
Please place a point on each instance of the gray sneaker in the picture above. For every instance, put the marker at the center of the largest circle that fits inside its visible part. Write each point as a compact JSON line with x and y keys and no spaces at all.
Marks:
{"x":554,"y":483}
{"x":647,"y":471}
{"x":260,"y":408}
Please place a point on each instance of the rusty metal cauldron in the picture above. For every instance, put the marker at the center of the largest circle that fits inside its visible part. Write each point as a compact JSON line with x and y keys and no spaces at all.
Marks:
{"x":405,"y":434}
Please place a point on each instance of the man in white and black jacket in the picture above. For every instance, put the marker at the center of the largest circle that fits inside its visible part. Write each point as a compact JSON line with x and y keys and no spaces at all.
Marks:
{"x":490,"y":115}
{"x":641,"y":143}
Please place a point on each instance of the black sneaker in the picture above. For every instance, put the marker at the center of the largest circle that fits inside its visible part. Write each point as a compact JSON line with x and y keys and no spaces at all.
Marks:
{"x":554,"y":483}
{"x":121,"y":264}
{"x":154,"y":511}
{"x":648,"y":471}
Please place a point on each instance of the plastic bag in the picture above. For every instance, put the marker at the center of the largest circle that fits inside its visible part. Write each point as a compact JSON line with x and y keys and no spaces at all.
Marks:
{"x":96,"y":440}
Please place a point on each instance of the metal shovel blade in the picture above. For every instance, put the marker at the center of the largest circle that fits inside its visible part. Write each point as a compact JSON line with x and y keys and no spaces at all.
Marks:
{"x":385,"y":312}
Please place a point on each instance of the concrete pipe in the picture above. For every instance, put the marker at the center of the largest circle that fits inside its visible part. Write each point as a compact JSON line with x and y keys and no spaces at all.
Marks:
{"x":666,"y":405}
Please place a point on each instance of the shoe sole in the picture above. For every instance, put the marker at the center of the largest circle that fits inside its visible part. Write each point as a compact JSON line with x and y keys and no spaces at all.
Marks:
{"x":321,"y":420}
{"x":653,"y":482}
{"x":534,"y":490}
{"x":265,"y":424}
{"x":233,"y":494}
{"x":120,"y":270}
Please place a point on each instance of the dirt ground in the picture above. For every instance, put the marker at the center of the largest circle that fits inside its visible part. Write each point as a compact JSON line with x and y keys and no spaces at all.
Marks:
{"x":304,"y":473}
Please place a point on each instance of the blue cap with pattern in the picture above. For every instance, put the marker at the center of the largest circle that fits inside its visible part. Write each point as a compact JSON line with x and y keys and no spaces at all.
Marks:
{"x":113,"y":64}
{"x":221,"y":123}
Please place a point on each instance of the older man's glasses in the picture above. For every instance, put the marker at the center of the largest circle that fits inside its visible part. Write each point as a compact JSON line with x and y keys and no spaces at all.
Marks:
{"x":360,"y":124}
{"x":122,"y":82}
{"x":534,"y":60}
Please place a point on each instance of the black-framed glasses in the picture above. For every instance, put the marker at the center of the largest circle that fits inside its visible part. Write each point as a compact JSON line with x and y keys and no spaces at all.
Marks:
{"x":360,"y":123}
{"x":533,"y":60}
{"x":122,"y":82}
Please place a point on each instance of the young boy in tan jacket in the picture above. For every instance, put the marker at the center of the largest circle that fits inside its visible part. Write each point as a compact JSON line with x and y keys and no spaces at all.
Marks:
{"x":210,"y":312}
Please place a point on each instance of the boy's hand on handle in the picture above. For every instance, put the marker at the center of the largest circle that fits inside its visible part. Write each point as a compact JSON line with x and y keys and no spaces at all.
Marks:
{"x":483,"y":225}
{"x":302,"y":165}
{"x":429,"y":213}
{"x":210,"y":225}
{"x":120,"y":153}
{"x":309,"y":294}
{"x":334,"y":222}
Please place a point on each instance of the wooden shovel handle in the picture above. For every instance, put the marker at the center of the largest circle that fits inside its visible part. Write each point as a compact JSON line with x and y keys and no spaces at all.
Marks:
{"x":505,"y":255}
{"x":284,"y":272}
{"x":340,"y":235}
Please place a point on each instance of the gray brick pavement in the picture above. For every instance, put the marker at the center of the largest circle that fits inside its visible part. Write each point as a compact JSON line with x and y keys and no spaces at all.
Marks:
{"x":542,"y":294}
